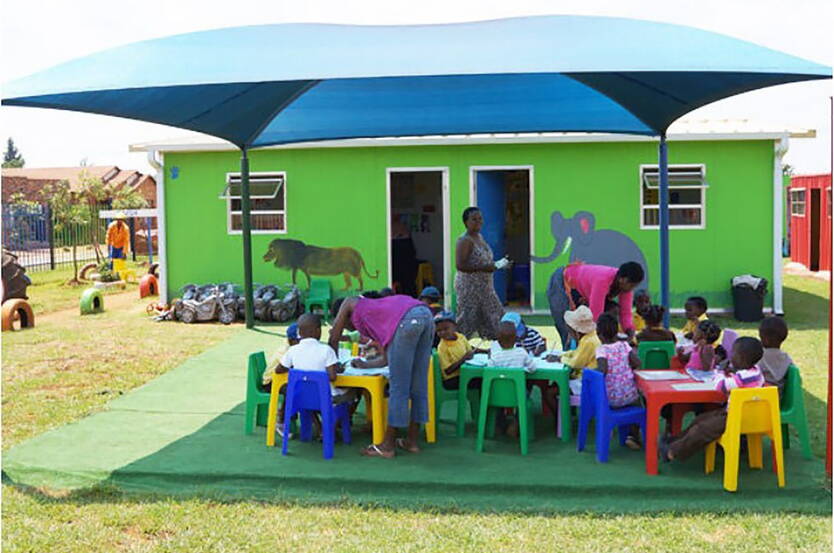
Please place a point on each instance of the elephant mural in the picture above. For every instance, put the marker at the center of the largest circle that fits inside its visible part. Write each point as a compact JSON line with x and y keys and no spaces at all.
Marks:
{"x":588,"y":245}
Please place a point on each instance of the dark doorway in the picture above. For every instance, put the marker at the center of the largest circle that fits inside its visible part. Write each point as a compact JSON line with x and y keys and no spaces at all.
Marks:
{"x":417,"y":242}
{"x":815,"y":229}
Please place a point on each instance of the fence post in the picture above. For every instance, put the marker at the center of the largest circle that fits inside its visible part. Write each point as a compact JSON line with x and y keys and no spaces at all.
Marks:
{"x":132,"y":226}
{"x":150,"y":240}
{"x":50,"y":233}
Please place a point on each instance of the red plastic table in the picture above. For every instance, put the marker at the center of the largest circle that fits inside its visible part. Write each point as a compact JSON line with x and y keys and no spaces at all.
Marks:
{"x":659,"y":393}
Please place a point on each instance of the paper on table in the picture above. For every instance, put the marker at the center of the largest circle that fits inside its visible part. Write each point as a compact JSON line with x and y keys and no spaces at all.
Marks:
{"x":479,"y":360}
{"x":660,"y":375}
{"x":703,"y":376}
{"x":353,"y":371}
{"x":542,"y":364}
{"x":694,"y":386}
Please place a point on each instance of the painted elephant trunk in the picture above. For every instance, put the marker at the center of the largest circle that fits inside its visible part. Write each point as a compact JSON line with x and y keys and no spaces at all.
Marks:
{"x":559,"y":248}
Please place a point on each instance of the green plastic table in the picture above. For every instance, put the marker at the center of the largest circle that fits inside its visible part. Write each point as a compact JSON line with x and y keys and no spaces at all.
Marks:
{"x":553,"y":373}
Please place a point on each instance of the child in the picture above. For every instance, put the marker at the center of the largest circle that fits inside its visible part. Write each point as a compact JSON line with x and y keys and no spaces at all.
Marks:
{"x":266,"y":379}
{"x":642,"y":302}
{"x":701,"y":356}
{"x":453,"y":351}
{"x":431,"y":297}
{"x":775,"y":362}
{"x":654,"y":331}
{"x":582,"y":328}
{"x":526,"y":337}
{"x":709,"y":426}
{"x":505,"y":352}
{"x":695,"y":309}
{"x":616,"y":360}
{"x":309,"y":354}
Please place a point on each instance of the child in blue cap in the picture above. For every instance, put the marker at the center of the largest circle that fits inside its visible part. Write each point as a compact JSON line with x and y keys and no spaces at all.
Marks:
{"x":431,"y":297}
{"x":528,"y":338}
{"x":266,"y":381}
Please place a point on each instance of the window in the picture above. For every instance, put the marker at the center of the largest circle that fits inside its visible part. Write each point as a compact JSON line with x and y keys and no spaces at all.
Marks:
{"x":687,"y":197}
{"x":267,"y":203}
{"x":798,"y":202}
{"x":828,"y":201}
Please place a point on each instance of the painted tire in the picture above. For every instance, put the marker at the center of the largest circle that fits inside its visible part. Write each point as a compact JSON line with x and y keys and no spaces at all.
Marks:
{"x":148,"y":286}
{"x":92,"y":301}
{"x":17,"y":310}
{"x":82,"y":274}
{"x":154,"y":270}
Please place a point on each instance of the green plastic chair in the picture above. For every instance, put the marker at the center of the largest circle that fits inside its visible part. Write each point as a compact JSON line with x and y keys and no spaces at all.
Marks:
{"x":504,"y":387}
{"x":319,"y":295}
{"x":257,"y":401}
{"x":442,"y":395}
{"x":792,"y":411}
{"x":656,"y":355}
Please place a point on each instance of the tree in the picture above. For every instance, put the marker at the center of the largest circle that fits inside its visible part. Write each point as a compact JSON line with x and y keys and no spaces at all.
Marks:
{"x":68,"y":213}
{"x":12,"y":157}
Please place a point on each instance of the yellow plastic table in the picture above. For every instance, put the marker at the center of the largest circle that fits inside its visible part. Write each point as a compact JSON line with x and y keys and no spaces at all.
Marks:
{"x":552,"y":372}
{"x":378,"y":409}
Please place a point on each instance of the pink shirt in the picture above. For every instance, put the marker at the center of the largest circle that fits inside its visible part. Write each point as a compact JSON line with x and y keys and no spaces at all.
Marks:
{"x":378,"y":318}
{"x":593,"y":283}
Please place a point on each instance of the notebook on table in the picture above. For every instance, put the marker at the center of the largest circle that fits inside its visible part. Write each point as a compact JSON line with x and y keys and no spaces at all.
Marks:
{"x":661,"y":375}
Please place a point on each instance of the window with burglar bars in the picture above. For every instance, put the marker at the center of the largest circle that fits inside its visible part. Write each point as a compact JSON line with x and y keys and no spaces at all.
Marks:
{"x":687,"y":197}
{"x":267,"y":199}
{"x":798,"y":202}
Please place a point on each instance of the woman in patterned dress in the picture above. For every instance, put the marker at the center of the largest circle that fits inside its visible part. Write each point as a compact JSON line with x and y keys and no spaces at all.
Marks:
{"x":479,"y":309}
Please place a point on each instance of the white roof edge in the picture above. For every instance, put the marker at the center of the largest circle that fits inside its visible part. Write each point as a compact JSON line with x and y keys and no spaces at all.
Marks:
{"x":211,"y":144}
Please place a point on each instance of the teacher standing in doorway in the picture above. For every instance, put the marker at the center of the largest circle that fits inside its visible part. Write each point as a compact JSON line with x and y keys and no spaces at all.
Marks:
{"x":479,"y":309}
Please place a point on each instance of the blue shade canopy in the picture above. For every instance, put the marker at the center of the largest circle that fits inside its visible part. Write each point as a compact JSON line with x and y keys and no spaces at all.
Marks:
{"x":275,"y":84}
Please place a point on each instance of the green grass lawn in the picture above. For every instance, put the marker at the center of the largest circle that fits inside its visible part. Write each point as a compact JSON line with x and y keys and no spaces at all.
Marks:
{"x":50,"y":292}
{"x":69,"y":367}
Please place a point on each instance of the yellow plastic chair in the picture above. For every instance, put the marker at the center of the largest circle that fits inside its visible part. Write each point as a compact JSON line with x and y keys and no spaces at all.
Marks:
{"x":754,"y":412}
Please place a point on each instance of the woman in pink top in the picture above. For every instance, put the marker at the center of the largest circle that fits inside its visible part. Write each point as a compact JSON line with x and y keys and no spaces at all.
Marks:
{"x":404,"y":327}
{"x":579,"y":283}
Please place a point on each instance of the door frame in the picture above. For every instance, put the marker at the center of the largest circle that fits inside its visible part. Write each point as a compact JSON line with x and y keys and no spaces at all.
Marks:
{"x":444,"y":194}
{"x":473,"y":201}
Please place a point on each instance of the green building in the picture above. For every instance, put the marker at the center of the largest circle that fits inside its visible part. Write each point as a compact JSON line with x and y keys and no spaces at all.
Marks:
{"x":328,"y":209}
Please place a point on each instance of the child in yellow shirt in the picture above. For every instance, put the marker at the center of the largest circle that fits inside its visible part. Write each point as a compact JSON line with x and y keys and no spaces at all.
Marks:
{"x":642,"y":302}
{"x":696,"y":311}
{"x":453,"y":351}
{"x":583,"y":329}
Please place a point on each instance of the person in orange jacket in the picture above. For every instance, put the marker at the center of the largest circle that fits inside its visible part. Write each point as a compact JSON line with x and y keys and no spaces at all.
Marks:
{"x":118,"y":238}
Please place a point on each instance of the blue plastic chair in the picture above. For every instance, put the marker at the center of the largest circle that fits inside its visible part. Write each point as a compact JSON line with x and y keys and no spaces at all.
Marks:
{"x":594,"y":405}
{"x":309,"y":391}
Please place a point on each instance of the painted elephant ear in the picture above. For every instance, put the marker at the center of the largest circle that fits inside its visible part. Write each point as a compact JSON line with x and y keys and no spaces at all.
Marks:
{"x":585,"y":223}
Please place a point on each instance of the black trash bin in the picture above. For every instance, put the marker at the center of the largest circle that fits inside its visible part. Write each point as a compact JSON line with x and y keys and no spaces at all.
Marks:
{"x":748,"y":297}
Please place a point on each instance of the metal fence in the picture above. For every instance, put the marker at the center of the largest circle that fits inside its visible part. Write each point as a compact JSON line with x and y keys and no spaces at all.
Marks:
{"x":29,"y":233}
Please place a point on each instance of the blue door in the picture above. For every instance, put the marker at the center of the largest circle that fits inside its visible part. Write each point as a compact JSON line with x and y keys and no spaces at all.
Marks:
{"x":492,"y":201}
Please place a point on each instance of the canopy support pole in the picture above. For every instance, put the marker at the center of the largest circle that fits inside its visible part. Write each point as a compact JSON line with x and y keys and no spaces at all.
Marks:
{"x":247,"y":239}
{"x":663,"y":192}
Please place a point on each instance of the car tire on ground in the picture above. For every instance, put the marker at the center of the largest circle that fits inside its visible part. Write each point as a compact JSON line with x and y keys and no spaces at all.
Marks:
{"x":17,"y":309}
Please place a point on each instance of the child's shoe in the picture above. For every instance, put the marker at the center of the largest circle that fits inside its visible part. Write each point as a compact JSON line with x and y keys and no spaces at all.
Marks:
{"x":633,"y":443}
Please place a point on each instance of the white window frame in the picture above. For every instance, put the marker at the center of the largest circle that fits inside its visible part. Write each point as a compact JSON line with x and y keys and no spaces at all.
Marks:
{"x":804,"y":201}
{"x":265,"y":175}
{"x":702,"y":206}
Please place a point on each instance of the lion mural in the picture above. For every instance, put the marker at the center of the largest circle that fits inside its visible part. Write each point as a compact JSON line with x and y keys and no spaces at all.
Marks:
{"x":295,"y":255}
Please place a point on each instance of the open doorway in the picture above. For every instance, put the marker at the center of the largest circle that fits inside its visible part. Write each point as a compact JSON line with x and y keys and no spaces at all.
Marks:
{"x":816,"y":229}
{"x":504,"y":196}
{"x":419,"y":241}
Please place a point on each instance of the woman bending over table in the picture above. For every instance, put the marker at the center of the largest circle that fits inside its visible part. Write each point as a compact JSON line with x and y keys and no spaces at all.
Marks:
{"x":591,"y":285}
{"x":404,"y":327}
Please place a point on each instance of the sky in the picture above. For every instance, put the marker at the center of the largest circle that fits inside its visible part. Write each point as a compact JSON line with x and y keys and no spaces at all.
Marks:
{"x":36,"y":34}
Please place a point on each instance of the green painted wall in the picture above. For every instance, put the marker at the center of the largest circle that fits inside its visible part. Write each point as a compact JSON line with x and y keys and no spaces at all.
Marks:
{"x":337,"y":197}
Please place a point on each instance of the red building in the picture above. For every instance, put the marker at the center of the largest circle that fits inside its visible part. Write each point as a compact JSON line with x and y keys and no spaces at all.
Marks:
{"x":809,"y":205}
